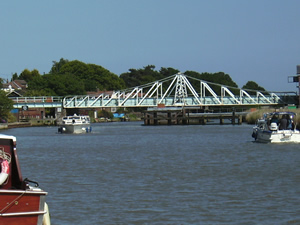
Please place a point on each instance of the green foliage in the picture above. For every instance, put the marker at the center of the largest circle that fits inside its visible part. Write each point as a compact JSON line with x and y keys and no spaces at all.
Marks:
{"x":139,"y":77}
{"x":57,"y":65}
{"x":56,"y":85}
{"x":105,"y":114}
{"x":29,"y":75}
{"x":15,"y":76}
{"x":76,"y":78}
{"x":41,"y":92}
{"x":166,"y":72}
{"x":253,"y":86}
{"x":6,"y":105}
{"x":216,"y":78}
{"x":71,"y":78}
{"x":94,"y":77}
{"x":11,"y":118}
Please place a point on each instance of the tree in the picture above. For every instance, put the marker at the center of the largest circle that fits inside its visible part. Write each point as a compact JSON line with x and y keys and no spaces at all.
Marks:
{"x":166,"y":72}
{"x":6,"y":105}
{"x":28,"y":75}
{"x":57,"y":65}
{"x":94,"y":77}
{"x":218,"y":79}
{"x":15,"y":76}
{"x":55,"y":85}
{"x":253,"y":86}
{"x":138,"y":77}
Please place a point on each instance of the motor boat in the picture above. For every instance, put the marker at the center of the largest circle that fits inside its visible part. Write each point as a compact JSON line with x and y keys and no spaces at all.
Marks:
{"x":22,"y":202}
{"x":277,"y":127}
{"x":75,"y":124}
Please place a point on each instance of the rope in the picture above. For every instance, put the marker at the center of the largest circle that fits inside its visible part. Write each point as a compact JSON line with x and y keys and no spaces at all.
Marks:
{"x":4,"y":155}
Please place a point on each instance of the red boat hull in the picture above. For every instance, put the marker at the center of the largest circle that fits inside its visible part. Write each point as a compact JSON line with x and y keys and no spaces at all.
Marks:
{"x":22,"y":207}
{"x":20,"y":203}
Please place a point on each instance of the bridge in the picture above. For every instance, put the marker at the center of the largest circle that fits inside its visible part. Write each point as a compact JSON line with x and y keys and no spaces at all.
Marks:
{"x":175,"y":90}
{"x":172,"y":91}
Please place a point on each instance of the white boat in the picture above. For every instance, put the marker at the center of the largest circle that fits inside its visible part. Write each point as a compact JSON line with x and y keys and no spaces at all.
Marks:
{"x":277,"y":127}
{"x":75,"y":124}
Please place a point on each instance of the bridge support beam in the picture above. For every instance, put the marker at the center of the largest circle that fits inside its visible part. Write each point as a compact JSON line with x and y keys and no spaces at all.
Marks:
{"x":177,"y":117}
{"x":221,"y":120}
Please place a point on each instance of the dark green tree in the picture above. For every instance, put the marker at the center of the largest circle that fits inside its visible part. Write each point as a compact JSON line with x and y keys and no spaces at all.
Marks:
{"x":138,"y":77}
{"x":251,"y":85}
{"x":94,"y":77}
{"x":56,"y":85}
{"x":166,"y":72}
{"x":6,"y":105}
{"x":57,"y":65}
{"x":15,"y":77}
{"x":217,"y":79}
{"x":28,"y":75}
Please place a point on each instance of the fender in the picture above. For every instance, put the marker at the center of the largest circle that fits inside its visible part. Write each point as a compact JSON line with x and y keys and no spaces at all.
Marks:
{"x":4,"y":171}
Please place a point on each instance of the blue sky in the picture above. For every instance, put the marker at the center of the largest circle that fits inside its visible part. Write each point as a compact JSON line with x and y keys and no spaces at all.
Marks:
{"x":255,"y":40}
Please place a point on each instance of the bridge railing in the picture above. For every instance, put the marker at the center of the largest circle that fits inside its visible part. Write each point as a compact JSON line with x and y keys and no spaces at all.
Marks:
{"x":37,"y":99}
{"x":37,"y":102}
{"x":139,"y":101}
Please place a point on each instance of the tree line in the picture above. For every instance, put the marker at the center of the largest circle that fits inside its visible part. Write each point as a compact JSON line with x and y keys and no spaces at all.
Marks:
{"x":77,"y":78}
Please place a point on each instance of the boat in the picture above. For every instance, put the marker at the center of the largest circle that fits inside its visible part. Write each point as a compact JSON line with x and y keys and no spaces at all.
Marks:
{"x":75,"y":124}
{"x":22,"y":202}
{"x":277,"y":127}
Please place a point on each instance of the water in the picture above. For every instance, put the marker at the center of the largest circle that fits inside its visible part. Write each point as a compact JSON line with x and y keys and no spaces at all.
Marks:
{"x":125,"y":173}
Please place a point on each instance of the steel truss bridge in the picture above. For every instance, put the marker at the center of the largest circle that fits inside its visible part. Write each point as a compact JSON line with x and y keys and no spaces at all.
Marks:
{"x":173,"y":91}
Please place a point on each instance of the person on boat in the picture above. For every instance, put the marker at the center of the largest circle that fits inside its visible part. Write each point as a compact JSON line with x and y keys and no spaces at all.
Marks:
{"x":291,"y":125}
{"x":283,"y":122}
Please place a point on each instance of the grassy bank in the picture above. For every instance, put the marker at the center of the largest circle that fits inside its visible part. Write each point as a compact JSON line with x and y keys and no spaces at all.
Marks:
{"x":252,"y":117}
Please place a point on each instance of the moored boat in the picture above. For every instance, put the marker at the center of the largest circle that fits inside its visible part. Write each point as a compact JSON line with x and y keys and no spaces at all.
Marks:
{"x":75,"y":124}
{"x":277,"y":127}
{"x":22,"y":202}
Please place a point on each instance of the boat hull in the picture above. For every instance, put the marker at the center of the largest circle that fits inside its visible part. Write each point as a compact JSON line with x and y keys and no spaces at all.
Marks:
{"x":22,"y":207}
{"x":75,"y":128}
{"x":281,"y":136}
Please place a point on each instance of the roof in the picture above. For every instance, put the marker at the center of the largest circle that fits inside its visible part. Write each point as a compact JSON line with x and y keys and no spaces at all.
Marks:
{"x":4,"y":136}
{"x":16,"y":84}
{"x":282,"y":113}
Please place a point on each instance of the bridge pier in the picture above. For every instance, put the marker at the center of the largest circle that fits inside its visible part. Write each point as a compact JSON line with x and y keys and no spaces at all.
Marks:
{"x":178,"y":116}
{"x":169,"y":118}
{"x":221,"y":120}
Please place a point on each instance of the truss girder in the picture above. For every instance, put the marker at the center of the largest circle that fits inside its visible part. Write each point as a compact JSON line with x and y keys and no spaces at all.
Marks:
{"x":178,"y":91}
{"x":204,"y":86}
{"x":225,"y":90}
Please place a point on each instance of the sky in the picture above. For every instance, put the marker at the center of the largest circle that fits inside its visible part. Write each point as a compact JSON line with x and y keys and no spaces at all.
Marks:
{"x":257,"y":40}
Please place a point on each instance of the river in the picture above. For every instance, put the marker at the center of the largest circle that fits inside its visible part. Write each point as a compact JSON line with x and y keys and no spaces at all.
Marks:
{"x":126,"y":173}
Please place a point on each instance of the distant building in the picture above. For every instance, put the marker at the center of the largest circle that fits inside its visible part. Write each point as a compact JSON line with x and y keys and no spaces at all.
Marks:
{"x":15,"y":88}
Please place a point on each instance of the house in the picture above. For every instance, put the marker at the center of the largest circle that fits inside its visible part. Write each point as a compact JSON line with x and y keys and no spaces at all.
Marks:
{"x":15,"y":88}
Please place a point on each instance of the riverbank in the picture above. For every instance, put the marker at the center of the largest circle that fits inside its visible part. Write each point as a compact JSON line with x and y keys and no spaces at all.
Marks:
{"x":30,"y":123}
{"x":15,"y":125}
{"x":252,"y":117}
